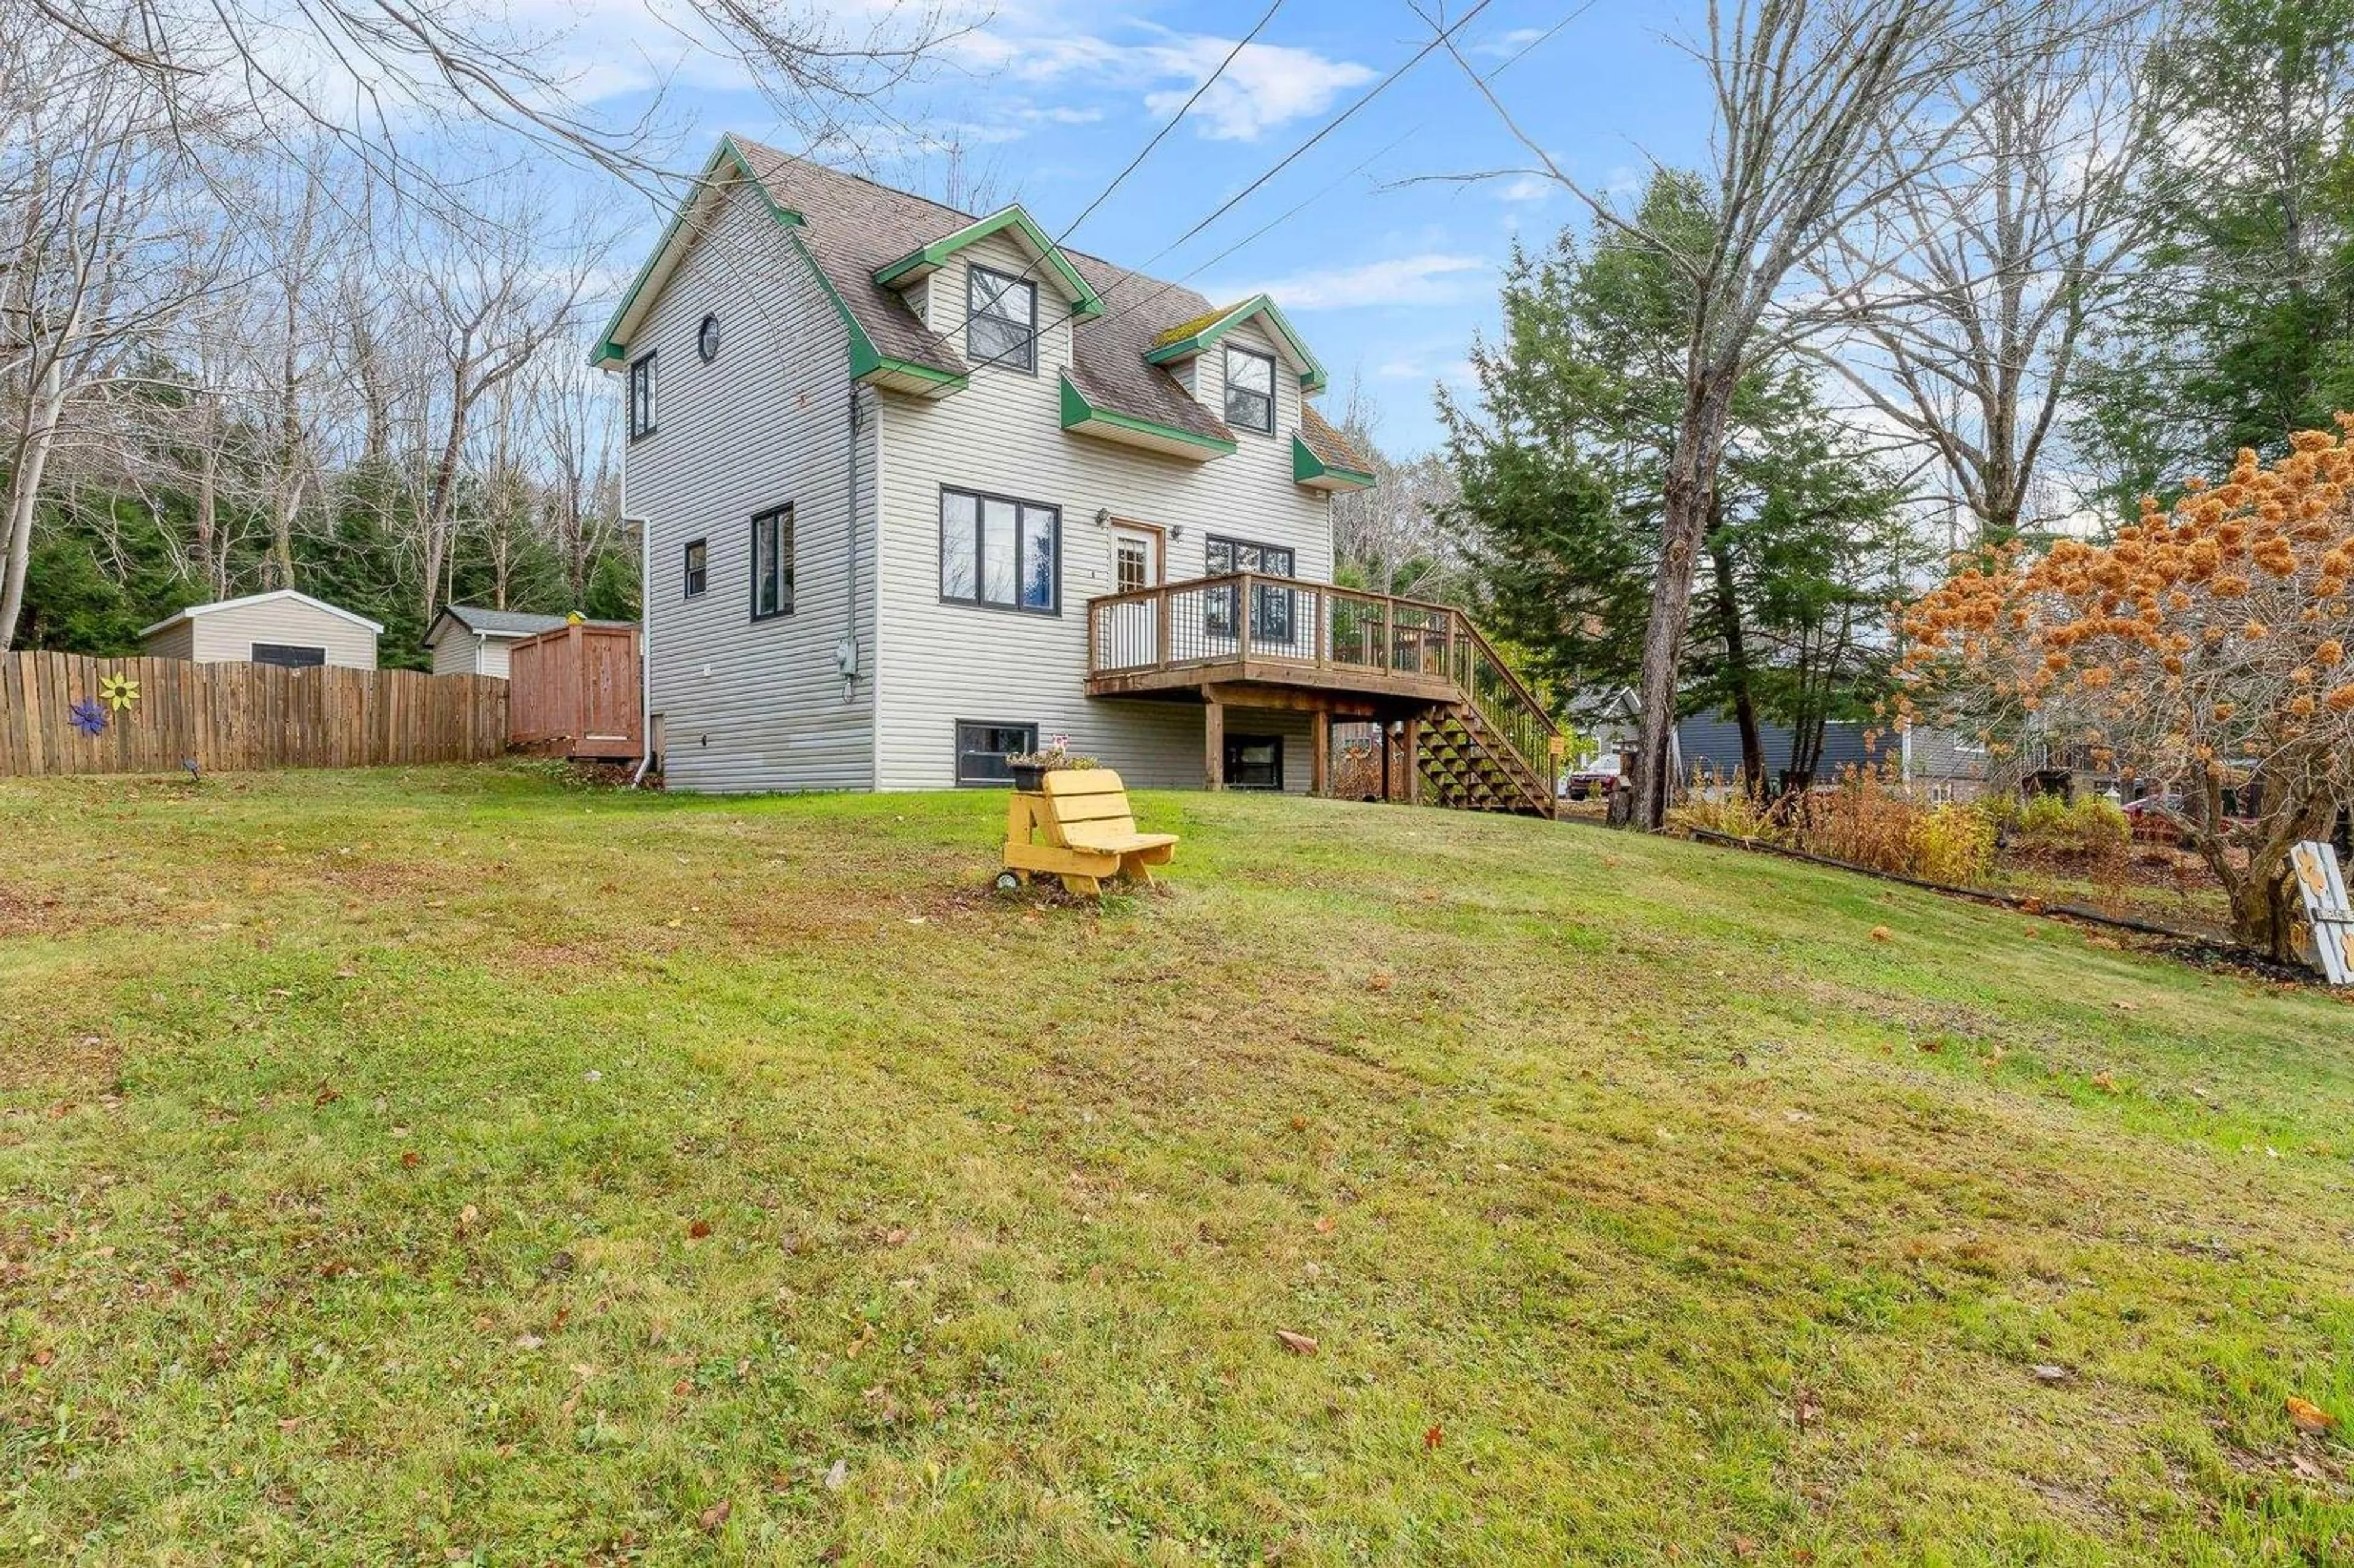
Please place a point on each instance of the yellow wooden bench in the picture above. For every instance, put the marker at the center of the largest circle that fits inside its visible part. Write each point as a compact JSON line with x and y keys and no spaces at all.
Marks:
{"x":1078,"y":827}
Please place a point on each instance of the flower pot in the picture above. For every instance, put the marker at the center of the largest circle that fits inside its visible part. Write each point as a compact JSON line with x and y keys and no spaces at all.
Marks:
{"x":1028,"y":777}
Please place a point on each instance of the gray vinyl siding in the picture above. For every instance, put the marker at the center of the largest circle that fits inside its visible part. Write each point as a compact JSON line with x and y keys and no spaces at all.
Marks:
{"x":750,"y":705}
{"x":458,"y":652}
{"x":228,"y":635}
{"x":939,"y":662}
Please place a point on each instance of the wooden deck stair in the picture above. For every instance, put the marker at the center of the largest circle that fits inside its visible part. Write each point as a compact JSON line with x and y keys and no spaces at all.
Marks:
{"x":1464,"y":766}
{"x":1481,"y":740}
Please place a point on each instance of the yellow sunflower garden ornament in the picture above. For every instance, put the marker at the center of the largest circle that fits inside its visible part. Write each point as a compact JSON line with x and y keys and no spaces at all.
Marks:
{"x":120,"y":692}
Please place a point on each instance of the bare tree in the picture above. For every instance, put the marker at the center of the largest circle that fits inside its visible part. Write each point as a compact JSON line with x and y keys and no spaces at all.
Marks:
{"x":1391,"y":532}
{"x":484,"y":300}
{"x":1818,"y":120}
{"x":1970,"y":289}
{"x":102,"y":251}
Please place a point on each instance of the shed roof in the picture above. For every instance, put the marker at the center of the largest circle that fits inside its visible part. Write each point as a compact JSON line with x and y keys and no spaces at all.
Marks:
{"x":196,"y":610}
{"x":506,"y":622}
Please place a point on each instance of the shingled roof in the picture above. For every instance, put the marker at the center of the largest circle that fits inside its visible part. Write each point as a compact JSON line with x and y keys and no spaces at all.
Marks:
{"x":1331,"y":447}
{"x":853,"y":229}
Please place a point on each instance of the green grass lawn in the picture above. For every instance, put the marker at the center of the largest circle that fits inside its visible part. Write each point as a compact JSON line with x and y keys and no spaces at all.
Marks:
{"x":418,"y":1166}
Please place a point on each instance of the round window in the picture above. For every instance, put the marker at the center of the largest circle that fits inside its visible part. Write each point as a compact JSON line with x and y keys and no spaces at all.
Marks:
{"x":706,"y":339}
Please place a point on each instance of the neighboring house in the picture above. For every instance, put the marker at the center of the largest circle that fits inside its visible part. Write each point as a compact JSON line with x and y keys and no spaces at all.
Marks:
{"x":283,"y":627}
{"x":918,"y":489}
{"x":466,"y":639}
{"x":1708,"y":748}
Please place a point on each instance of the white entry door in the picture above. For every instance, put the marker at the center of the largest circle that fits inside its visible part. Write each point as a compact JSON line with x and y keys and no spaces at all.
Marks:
{"x":1132,"y":632}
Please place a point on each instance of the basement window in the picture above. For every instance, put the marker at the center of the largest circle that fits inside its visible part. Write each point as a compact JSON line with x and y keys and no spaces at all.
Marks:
{"x":982,"y":748}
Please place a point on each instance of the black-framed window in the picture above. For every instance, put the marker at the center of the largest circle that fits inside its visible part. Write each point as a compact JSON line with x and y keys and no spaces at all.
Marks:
{"x":982,"y":750}
{"x":1001,"y":552}
{"x":706,"y":339}
{"x":772,"y":564}
{"x":1250,"y":390}
{"x":697,"y":576}
{"x":1253,"y":762}
{"x":641,"y":396}
{"x":1002,"y":319}
{"x":289,"y":657}
{"x":1271,"y":605}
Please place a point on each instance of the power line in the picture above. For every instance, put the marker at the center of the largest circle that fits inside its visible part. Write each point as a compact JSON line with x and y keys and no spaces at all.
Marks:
{"x":1183,"y":110}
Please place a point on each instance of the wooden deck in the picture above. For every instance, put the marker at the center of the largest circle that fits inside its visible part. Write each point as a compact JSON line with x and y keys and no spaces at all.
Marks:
{"x":1253,"y":641}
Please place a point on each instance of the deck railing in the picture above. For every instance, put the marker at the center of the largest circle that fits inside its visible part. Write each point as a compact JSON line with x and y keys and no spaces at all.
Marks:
{"x":1402,"y":645}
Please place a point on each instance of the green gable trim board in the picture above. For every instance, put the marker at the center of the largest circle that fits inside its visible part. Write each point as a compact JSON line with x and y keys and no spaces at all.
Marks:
{"x":1309,"y":468}
{"x":922,"y":262}
{"x":1203,"y":332}
{"x":612,"y":347}
{"x":868,"y":362}
{"x":1081,"y":415}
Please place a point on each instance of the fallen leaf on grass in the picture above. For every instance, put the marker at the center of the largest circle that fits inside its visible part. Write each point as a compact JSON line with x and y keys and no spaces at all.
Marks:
{"x":838,"y":1475}
{"x":1325,"y":1224}
{"x":467,"y":1218}
{"x":895,"y":1238}
{"x":1381,"y":980}
{"x":410,"y":1159}
{"x":1300,"y":1124}
{"x":1298,"y":1344}
{"x":2105,"y":1082}
{"x":2306,"y":1467}
{"x":2045,"y":1372}
{"x":712,"y":1518}
{"x":528,"y":1342}
{"x":1434,"y":1436}
{"x":1744,"y":1548}
{"x":1881,"y":933}
{"x":698,"y":1230}
{"x":325,"y":1096}
{"x":2309,"y":1416}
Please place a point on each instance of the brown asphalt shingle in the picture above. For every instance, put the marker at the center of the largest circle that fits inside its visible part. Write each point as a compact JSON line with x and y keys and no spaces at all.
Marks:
{"x":854,"y":226}
{"x":1331,"y":447}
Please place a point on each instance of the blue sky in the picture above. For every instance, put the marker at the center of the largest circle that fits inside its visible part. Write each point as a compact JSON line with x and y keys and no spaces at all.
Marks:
{"x":1388,"y":274}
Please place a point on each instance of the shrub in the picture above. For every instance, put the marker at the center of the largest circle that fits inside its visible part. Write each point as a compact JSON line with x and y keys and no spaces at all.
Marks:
{"x":2090,"y":826}
{"x":1955,"y":844}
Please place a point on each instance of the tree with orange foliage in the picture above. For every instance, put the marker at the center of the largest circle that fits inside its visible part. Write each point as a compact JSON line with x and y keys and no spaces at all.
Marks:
{"x":2205,"y":647}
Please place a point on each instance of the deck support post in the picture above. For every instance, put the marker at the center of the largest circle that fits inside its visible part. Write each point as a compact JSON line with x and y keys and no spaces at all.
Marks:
{"x":1320,"y":754}
{"x":1382,"y":729}
{"x":1213,"y":741}
{"x":1413,"y":761}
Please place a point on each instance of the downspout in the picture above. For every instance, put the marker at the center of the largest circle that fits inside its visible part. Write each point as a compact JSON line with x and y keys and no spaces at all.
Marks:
{"x":849,"y":660}
{"x":645,"y":624}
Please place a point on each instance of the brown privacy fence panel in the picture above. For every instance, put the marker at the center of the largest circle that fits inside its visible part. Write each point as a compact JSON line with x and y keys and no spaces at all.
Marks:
{"x":238,"y":717}
{"x":574,"y":692}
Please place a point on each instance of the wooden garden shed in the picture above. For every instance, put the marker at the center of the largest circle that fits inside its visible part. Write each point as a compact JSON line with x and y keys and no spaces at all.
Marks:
{"x":573,"y":692}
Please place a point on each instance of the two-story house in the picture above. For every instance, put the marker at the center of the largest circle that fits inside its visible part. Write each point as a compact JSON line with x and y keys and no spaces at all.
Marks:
{"x":919,"y":489}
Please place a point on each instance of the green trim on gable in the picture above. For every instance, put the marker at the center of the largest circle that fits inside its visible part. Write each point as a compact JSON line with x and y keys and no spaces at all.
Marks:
{"x":866,"y":359}
{"x":1307,"y":468}
{"x":608,"y":350}
{"x":1201,"y":333}
{"x":1078,"y":412}
{"x":918,"y":262}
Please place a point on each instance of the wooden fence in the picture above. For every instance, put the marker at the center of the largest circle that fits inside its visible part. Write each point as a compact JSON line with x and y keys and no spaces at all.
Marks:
{"x":237,"y":718}
{"x":573,"y":692}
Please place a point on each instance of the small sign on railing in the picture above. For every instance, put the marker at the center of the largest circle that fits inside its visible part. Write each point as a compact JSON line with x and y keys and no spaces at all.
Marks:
{"x":2326,"y":909}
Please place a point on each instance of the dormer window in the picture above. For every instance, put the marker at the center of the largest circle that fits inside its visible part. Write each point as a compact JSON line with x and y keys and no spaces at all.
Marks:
{"x":1250,"y":390}
{"x":1002,"y":327}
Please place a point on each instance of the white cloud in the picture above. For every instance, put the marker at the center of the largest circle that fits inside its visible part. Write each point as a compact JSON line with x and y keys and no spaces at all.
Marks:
{"x":1266,"y":86}
{"x":1510,"y":43}
{"x":1434,"y":278}
{"x":1525,"y":189}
